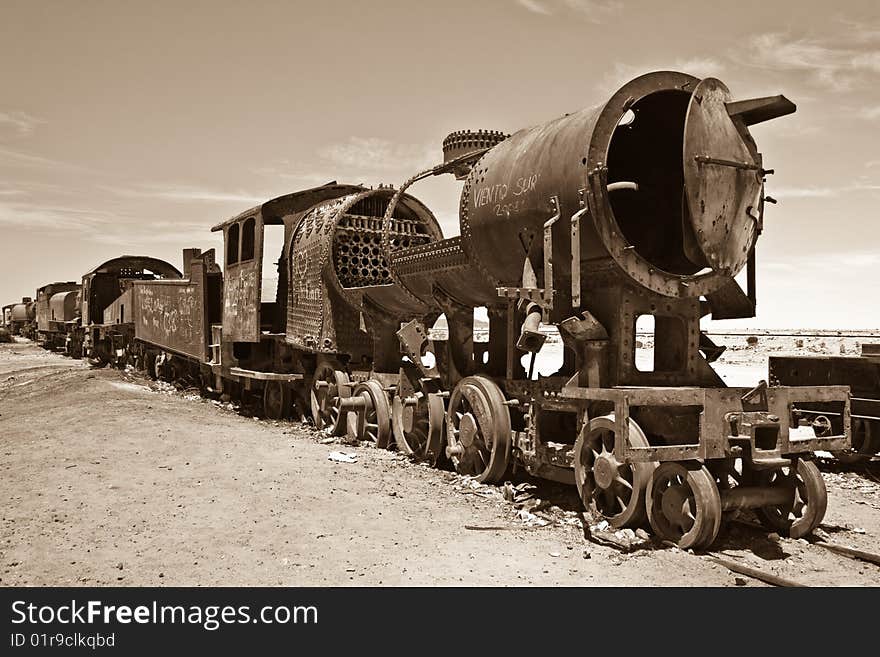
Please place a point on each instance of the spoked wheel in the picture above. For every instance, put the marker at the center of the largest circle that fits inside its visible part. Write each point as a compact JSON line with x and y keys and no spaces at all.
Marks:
{"x":864,"y":443}
{"x":377,"y":415}
{"x":328,"y":387}
{"x":614,"y":490}
{"x":277,"y":400}
{"x":409,"y":420}
{"x":806,"y":508}
{"x":478,"y":429}
{"x":684,"y":505}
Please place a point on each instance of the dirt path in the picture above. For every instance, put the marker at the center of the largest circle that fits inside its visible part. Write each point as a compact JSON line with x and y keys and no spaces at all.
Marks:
{"x":107,"y":480}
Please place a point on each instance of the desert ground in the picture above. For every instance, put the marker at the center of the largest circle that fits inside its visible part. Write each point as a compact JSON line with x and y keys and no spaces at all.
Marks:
{"x":111,"y":479}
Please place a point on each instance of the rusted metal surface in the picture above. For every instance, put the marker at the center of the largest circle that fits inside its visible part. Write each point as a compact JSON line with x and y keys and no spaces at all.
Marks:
{"x":104,"y":284}
{"x":723,"y":181}
{"x":713,"y":405}
{"x":861,"y":374}
{"x":339,"y":270}
{"x":48,"y":315}
{"x":176,"y":315}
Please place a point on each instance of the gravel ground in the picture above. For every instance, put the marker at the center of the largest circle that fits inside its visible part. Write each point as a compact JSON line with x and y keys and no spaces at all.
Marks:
{"x":111,"y":479}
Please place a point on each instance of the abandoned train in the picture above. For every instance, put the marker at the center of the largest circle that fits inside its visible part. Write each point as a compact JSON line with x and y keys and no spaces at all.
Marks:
{"x":647,"y":205}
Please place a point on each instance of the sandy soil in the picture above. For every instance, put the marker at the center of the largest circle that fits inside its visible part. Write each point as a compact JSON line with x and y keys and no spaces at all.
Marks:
{"x":109,"y":479}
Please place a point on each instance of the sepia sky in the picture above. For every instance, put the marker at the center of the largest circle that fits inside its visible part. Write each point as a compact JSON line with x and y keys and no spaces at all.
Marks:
{"x":133,"y":127}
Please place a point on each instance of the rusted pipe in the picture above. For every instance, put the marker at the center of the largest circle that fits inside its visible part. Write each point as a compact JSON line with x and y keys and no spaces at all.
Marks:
{"x":530,"y":338}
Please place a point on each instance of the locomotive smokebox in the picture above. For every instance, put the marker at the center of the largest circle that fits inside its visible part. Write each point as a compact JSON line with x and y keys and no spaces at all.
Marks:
{"x":663,"y":185}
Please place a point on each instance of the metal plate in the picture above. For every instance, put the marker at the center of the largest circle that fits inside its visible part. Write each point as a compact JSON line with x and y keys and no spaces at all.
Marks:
{"x":723,"y":182}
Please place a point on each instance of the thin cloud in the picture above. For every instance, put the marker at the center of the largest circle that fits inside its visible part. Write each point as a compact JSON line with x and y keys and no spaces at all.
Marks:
{"x":869,"y":113}
{"x":376,"y":154}
{"x":66,"y":218}
{"x":821,"y":192}
{"x":17,"y":159}
{"x":828,"y":62}
{"x":534,"y":7}
{"x":21,"y":123}
{"x":835,"y":261}
{"x":701,"y":67}
{"x":187,"y":193}
{"x":117,"y":228}
{"x":284,"y":170}
{"x":595,"y":11}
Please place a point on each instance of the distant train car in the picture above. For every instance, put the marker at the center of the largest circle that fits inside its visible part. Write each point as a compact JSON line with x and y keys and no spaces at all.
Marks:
{"x":19,"y":318}
{"x":106,"y":308}
{"x":57,"y":313}
{"x":861,"y":374}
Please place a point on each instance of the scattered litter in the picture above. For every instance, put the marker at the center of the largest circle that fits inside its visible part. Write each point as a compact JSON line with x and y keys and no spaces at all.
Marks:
{"x":554,"y":554}
{"x":740,"y":581}
{"x":530,"y":519}
{"x":327,"y":441}
{"x":343,"y":457}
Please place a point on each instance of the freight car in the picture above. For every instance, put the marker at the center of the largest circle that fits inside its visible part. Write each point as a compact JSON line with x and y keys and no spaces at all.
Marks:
{"x":57,"y":314}
{"x":106,"y":328}
{"x":646,"y":206}
{"x":861,"y":374}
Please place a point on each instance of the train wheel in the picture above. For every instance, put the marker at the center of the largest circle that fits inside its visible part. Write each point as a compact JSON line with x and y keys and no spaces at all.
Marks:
{"x":864,"y":443}
{"x":277,"y":400}
{"x":478,"y":429}
{"x":409,"y":420}
{"x":684,"y":505}
{"x":435,"y":452}
{"x":614,"y":490}
{"x":806,"y":508}
{"x":328,"y":387}
{"x":150,"y":364}
{"x":377,"y":415}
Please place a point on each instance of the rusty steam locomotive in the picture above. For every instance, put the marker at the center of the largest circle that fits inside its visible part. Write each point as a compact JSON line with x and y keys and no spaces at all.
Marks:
{"x":647,"y":205}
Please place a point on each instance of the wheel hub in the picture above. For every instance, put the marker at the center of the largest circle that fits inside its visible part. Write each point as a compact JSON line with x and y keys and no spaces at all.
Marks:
{"x":673,"y":504}
{"x":467,"y":430}
{"x":605,"y":470}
